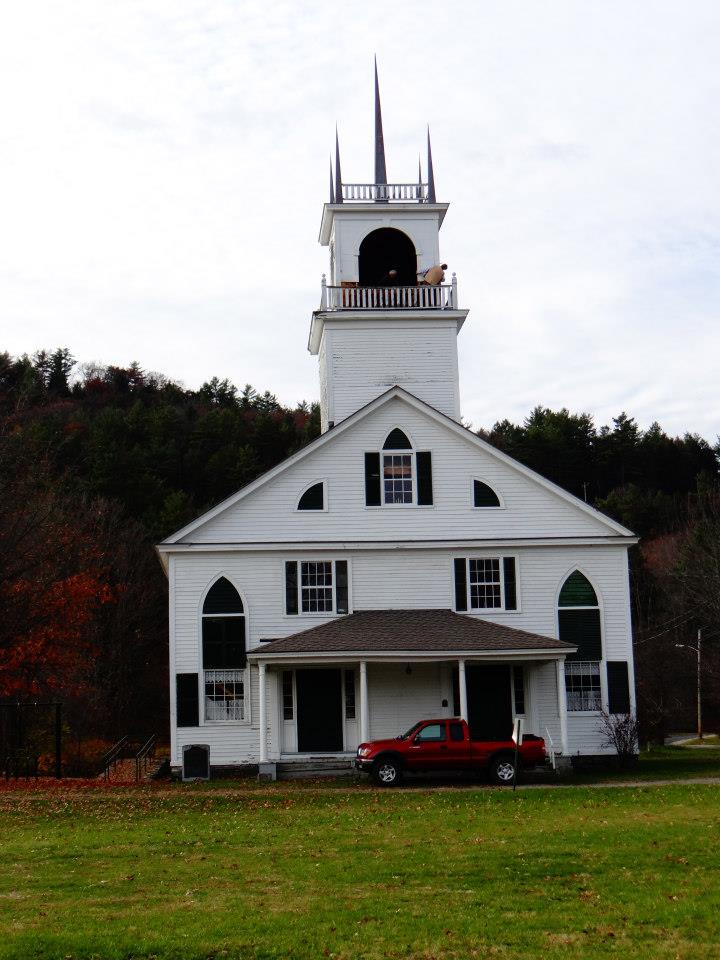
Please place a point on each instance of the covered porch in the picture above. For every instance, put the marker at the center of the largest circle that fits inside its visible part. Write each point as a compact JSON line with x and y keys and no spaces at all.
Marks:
{"x":373,"y":674}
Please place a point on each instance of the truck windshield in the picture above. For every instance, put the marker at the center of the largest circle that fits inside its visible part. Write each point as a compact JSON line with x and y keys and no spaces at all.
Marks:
{"x":411,"y":731}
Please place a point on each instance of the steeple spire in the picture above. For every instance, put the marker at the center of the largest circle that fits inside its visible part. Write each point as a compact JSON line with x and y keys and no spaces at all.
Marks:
{"x":380,"y":171}
{"x":338,"y":174}
{"x":431,"y":173}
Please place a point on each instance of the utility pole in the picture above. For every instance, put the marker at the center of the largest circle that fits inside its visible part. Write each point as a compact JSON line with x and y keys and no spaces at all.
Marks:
{"x":699,"y":692}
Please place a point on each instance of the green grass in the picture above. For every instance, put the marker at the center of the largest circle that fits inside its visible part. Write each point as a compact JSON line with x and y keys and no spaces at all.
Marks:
{"x":709,"y":740}
{"x":190,"y":872}
{"x":662,"y":763}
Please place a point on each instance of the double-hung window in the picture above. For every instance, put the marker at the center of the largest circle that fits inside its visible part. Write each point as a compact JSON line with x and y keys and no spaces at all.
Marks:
{"x":316,"y":586}
{"x":398,"y":475}
{"x":485,"y":583}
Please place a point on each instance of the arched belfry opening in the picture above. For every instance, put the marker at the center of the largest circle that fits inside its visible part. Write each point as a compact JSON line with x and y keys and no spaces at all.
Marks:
{"x":384,"y":251}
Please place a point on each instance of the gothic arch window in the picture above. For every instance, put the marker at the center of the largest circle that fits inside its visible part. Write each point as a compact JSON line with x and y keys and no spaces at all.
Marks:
{"x":484,"y":495}
{"x":223,"y":653}
{"x":579,"y":624}
{"x":313,"y":498}
{"x":383,"y":252}
{"x":398,"y":474}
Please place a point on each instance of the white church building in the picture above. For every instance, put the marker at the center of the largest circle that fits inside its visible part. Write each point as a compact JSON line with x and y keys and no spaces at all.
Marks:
{"x":398,"y":567}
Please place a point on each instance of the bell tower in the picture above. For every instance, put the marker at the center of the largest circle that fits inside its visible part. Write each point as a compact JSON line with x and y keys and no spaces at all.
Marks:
{"x":388,"y":314}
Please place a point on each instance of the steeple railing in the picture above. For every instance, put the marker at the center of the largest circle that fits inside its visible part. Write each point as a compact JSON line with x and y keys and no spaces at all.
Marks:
{"x":383,"y":192}
{"x":422,"y":297}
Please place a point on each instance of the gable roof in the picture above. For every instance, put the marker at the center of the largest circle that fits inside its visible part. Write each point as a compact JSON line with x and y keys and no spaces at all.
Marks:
{"x":430,"y":411}
{"x":426,"y":631}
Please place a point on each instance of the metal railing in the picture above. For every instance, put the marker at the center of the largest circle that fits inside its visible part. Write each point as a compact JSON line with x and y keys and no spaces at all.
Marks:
{"x":145,"y":754}
{"x":113,"y":755}
{"x":422,"y":297}
{"x":384,"y":192}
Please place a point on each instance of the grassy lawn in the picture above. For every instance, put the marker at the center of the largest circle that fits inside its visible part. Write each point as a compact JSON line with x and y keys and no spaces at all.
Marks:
{"x":189,"y":872}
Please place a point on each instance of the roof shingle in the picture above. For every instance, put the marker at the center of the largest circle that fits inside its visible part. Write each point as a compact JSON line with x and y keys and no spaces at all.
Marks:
{"x":426,"y":631}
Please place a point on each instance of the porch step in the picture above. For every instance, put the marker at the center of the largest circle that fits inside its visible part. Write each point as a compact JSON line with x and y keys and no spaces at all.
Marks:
{"x":314,"y":767}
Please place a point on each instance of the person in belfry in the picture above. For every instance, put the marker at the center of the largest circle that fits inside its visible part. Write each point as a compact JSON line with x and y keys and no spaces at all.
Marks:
{"x":435,"y":275}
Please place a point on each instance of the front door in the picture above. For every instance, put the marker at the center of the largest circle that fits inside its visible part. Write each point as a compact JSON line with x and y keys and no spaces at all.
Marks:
{"x":319,"y":711}
{"x":489,"y":702}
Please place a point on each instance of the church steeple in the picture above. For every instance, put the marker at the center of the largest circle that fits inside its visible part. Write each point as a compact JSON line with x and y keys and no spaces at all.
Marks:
{"x":380,"y":170}
{"x":388,"y":313}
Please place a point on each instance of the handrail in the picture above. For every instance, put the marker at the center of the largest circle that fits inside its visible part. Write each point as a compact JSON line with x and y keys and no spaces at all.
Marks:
{"x":384,"y":192}
{"x":552,"y":748}
{"x":113,"y":755}
{"x":146,"y":751}
{"x":441,"y":296}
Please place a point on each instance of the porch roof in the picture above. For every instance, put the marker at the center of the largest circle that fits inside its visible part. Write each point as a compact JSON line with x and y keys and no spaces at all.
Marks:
{"x":418,"y":631}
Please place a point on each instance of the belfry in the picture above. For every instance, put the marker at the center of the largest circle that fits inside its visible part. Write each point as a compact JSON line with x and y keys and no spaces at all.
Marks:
{"x":388,"y":315}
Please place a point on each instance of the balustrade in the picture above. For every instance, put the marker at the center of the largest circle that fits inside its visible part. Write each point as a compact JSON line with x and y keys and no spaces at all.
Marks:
{"x":421,"y":297}
{"x":385,"y":191}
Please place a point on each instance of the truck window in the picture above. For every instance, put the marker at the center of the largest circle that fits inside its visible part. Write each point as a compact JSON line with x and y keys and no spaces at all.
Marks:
{"x":433,"y":732}
{"x":457,"y":732}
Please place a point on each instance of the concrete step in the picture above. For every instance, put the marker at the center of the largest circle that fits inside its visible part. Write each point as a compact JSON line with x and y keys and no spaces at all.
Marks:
{"x":314,"y":767}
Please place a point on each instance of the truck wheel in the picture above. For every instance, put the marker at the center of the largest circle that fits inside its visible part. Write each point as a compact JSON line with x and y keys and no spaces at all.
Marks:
{"x":387,"y":772}
{"x":502,"y":770}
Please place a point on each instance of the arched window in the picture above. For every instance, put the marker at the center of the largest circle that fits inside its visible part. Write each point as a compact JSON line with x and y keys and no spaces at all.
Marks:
{"x":484,"y":495}
{"x":313,"y":498}
{"x":397,"y":440}
{"x":387,"y":258}
{"x":223,"y":647}
{"x":579,"y":624}
{"x":398,"y":475}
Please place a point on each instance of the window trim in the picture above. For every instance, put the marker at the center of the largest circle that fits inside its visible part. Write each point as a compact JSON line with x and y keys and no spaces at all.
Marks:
{"x":247,"y":679}
{"x":314,"y":483}
{"x":486,"y":611}
{"x":473,"y":478}
{"x":318,"y":613}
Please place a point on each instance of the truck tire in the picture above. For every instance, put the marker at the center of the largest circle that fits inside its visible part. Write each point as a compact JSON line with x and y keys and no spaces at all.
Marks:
{"x":502,"y":770}
{"x":387,"y":772}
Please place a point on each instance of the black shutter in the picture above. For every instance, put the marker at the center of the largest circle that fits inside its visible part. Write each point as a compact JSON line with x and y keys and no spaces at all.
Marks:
{"x":341,"y":586}
{"x":582,"y":628}
{"x":372,"y":479}
{"x":460,"y":583}
{"x":187,"y":701}
{"x":291,"y":592}
{"x":510,"y":588}
{"x":618,"y":687}
{"x":424,"y":478}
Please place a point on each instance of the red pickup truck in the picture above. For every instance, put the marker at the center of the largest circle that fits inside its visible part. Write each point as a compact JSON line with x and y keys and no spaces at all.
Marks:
{"x":438,"y":745}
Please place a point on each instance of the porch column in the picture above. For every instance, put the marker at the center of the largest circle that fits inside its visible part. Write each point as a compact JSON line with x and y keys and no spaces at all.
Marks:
{"x":364,"y":719}
{"x":562,"y":705}
{"x":463,"y":690}
{"x":262,"y":720}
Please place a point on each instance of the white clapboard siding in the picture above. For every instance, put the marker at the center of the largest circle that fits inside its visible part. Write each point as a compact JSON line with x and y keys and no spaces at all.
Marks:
{"x":269,"y":513}
{"x":397,"y":700}
{"x":396,"y":579}
{"x":351,"y":226}
{"x":369,"y":358}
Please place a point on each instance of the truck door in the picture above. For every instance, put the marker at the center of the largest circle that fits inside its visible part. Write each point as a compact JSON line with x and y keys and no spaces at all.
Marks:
{"x":458,"y":753}
{"x":429,"y":748}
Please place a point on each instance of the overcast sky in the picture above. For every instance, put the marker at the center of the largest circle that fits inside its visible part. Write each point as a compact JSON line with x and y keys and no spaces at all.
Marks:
{"x":163,"y":167}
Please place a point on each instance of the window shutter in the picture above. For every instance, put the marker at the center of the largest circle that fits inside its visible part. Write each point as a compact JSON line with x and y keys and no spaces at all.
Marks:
{"x":510,"y":586}
{"x":372,"y":479}
{"x":291,"y":592}
{"x":187,"y":701}
{"x":424,"y":478}
{"x":582,"y":628}
{"x":341,"y":586}
{"x":618,"y":687}
{"x":460,"y":583}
